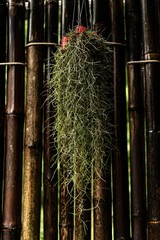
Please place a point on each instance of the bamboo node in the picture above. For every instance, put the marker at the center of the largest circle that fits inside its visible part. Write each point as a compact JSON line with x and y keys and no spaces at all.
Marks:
{"x":9,"y":227}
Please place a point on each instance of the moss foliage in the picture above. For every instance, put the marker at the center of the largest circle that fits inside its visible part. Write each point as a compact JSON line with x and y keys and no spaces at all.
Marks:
{"x":81,"y":93}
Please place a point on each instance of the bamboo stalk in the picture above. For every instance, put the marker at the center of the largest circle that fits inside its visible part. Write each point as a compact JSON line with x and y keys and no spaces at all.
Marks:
{"x":50,"y":181}
{"x":33,"y":129}
{"x":66,"y":204}
{"x":136,"y":119}
{"x":68,"y":12}
{"x":2,"y":97}
{"x":120,"y":161}
{"x":101,"y":17}
{"x":102,"y":186}
{"x":14,"y":123}
{"x":82,"y":221}
{"x":82,"y":229}
{"x":83,"y":13}
{"x":150,"y":22}
{"x":102,"y":212}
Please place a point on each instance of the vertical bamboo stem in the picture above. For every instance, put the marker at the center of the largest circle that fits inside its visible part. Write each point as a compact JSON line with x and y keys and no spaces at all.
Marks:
{"x":136,"y":119}
{"x":66,"y":205}
{"x":150,"y":21}
{"x":2,"y":96}
{"x":50,"y":181}
{"x":82,"y":221}
{"x":82,"y":229}
{"x":68,"y":15}
{"x":33,"y":129}
{"x":83,"y":13}
{"x":14,"y":123}
{"x":120,"y":161}
{"x":102,"y":189}
{"x":101,"y":17}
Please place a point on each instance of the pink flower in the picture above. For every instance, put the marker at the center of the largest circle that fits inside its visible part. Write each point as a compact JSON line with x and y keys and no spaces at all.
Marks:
{"x":65,"y":41}
{"x":80,"y":29}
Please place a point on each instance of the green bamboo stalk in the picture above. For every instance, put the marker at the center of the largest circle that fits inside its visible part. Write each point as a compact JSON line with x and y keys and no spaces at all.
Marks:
{"x":120,"y":160}
{"x":14,"y":123}
{"x":33,"y":127}
{"x":50,"y":180}
{"x":151,"y":27}
{"x":136,"y":119}
{"x":2,"y":97}
{"x":102,"y":189}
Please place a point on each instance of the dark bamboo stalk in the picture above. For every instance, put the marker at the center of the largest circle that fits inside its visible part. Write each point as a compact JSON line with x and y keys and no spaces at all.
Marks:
{"x":136,"y":119}
{"x":2,"y":96}
{"x":102,"y":189}
{"x":66,"y":203}
{"x":101,"y":17}
{"x":120,"y":161}
{"x":68,"y":15}
{"x":83,"y":220}
{"x":14,"y":123}
{"x":83,"y":13}
{"x":151,"y":28}
{"x":50,"y":180}
{"x":33,"y":130}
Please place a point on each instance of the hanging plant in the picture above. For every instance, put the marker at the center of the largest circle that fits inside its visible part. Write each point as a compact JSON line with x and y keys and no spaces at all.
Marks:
{"x":81,"y":93}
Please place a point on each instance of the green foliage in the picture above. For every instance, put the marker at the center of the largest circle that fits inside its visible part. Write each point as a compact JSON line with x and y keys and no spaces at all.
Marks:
{"x":81,"y":93}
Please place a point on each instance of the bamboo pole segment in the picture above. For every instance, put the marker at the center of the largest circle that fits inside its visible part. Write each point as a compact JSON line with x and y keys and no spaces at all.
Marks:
{"x":151,"y":27}
{"x":120,"y":161}
{"x":136,"y":120}
{"x":33,"y":128}
{"x":101,"y":17}
{"x":14,"y":123}
{"x":82,"y":229}
{"x":102,"y":211}
{"x":82,"y":221}
{"x":68,"y":12}
{"x":102,"y":186}
{"x":50,"y":181}
{"x":66,"y":203}
{"x":2,"y":96}
{"x":83,"y":13}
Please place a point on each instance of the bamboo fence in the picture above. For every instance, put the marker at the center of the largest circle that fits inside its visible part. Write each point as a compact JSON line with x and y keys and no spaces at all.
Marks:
{"x":130,"y":190}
